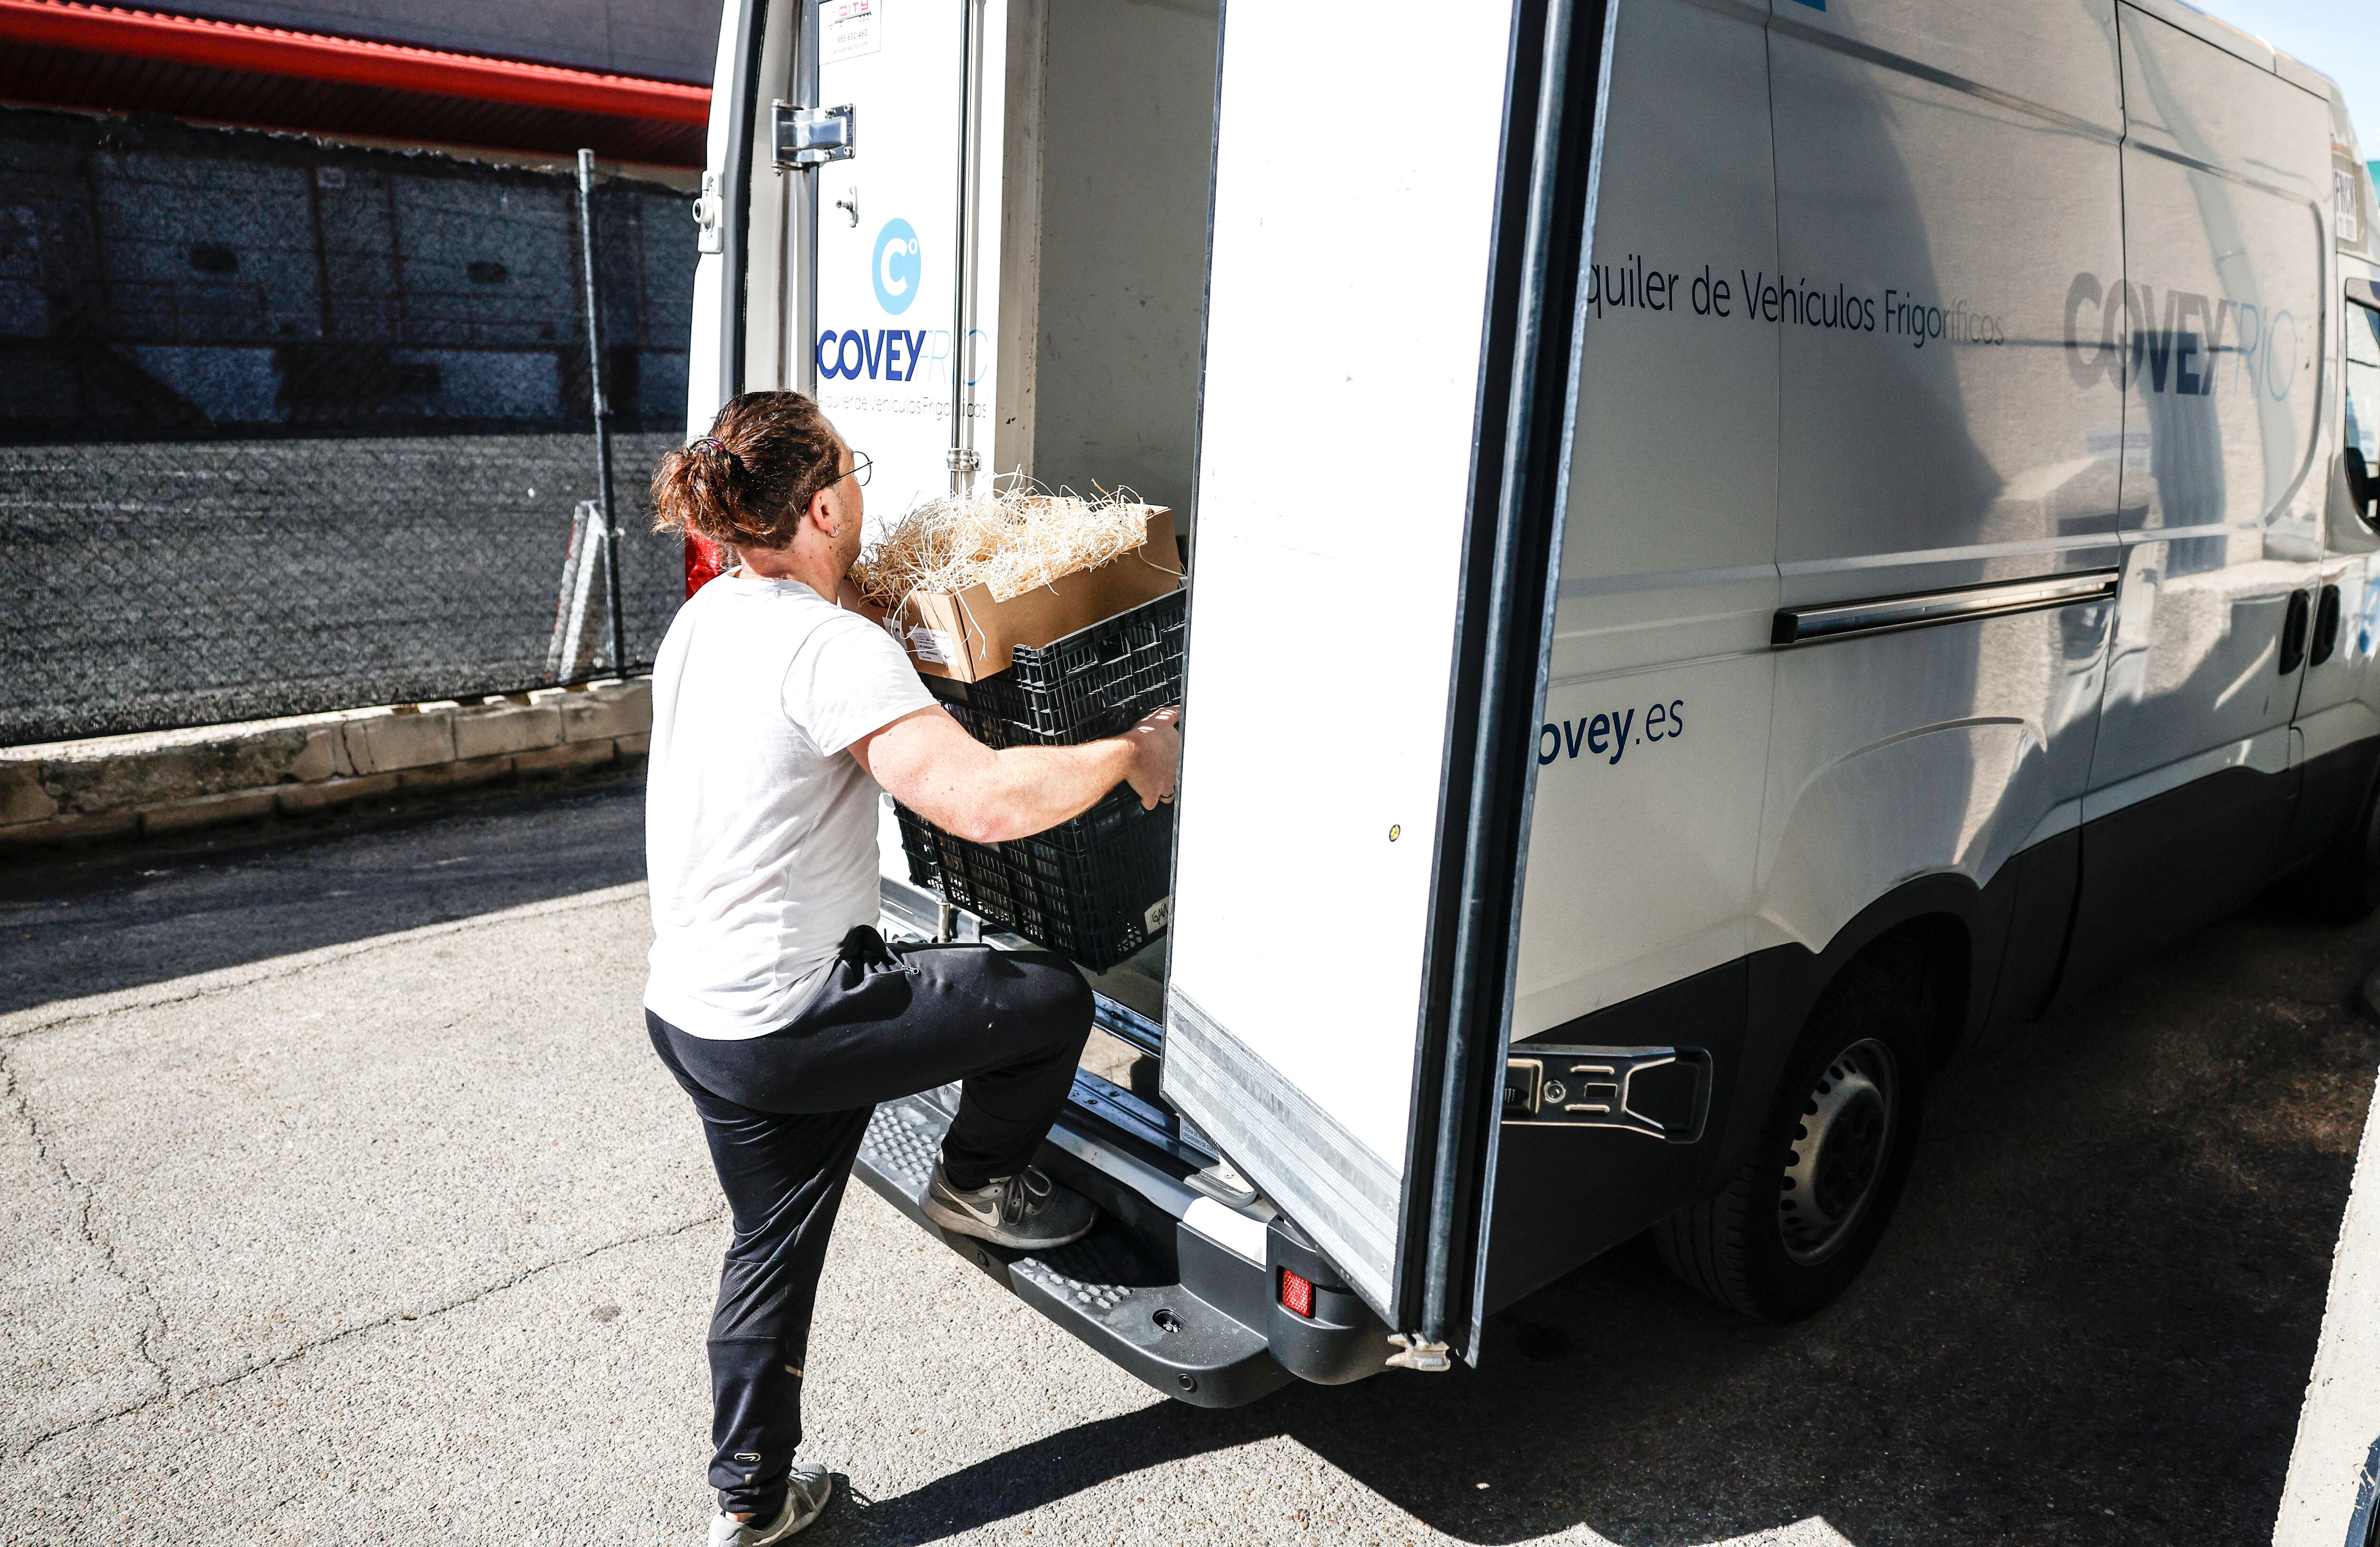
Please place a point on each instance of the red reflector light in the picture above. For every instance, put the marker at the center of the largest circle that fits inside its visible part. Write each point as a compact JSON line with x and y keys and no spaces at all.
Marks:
{"x":1296,"y":1294}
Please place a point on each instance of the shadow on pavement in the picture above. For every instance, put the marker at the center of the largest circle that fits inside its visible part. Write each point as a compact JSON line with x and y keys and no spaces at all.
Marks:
{"x":118,"y":918}
{"x":2092,"y":1321}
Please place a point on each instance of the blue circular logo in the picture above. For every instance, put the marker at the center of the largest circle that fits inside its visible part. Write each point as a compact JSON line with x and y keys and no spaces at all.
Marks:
{"x":896,"y":266}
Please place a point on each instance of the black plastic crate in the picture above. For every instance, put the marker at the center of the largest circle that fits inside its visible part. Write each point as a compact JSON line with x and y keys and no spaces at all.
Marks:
{"x":1094,"y":682}
{"x":1094,"y":888}
{"x":918,"y":838}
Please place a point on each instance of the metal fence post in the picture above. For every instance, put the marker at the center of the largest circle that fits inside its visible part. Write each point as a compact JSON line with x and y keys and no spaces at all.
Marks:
{"x":603,"y":411}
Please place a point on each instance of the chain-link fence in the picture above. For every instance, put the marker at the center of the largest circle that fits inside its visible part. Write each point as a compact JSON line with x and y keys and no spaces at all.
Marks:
{"x":287,"y":426}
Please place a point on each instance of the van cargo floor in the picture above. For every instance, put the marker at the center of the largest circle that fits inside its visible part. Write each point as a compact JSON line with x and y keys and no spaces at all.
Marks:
{"x":1110,"y":1289}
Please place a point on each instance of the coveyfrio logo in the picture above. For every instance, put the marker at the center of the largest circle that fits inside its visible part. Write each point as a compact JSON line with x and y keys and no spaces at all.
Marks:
{"x":895,"y":266}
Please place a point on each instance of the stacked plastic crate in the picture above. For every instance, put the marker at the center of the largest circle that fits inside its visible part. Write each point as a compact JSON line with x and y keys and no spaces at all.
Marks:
{"x":1095,"y":888}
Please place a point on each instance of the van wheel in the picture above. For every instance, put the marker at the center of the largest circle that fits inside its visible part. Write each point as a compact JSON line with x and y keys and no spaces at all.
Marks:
{"x":1796,"y":1223}
{"x":2346,"y":883}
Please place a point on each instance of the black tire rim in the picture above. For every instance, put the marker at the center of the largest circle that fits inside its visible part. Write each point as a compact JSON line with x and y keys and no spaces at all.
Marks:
{"x":1836,"y":1154}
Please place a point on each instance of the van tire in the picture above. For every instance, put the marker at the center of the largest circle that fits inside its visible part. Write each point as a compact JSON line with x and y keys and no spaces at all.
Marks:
{"x":2344,"y":884}
{"x":1864,"y":1052}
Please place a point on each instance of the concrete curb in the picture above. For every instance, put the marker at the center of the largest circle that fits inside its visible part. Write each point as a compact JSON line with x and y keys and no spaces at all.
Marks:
{"x":16,"y":1024}
{"x":125,"y":786}
{"x":2330,"y":1480}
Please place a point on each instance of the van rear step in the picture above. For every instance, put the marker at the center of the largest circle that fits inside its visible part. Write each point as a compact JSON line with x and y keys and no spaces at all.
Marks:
{"x":1111,"y":1289}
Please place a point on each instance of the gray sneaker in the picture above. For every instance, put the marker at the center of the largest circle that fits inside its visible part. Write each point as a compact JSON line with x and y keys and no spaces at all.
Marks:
{"x":1028,"y":1210}
{"x":807,"y":1488}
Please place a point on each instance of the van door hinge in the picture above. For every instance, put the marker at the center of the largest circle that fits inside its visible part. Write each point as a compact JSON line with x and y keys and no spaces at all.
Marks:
{"x":809,"y":136}
{"x":1419,"y":1353}
{"x":709,"y":216}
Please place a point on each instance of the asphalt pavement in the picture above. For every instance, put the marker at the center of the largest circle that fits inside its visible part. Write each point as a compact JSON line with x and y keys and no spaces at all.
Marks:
{"x":342,"y":1201}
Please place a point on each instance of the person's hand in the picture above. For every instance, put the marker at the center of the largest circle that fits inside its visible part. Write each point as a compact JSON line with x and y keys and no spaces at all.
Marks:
{"x":1156,"y":756}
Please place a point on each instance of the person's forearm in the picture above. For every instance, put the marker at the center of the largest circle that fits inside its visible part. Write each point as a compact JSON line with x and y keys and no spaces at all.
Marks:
{"x":1038,"y":787}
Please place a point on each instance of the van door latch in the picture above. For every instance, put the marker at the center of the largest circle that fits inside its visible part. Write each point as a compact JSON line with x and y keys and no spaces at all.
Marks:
{"x":810,"y":137}
{"x":1661,"y":1092}
{"x":709,"y":216}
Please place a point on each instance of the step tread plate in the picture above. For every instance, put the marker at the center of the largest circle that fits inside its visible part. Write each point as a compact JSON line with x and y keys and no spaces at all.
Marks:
{"x":1101,"y":1288}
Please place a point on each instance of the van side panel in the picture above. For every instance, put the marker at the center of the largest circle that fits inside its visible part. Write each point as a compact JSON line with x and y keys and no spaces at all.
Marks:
{"x":1646,"y":805}
{"x":2227,"y":177}
{"x":2059,"y":57}
{"x":1655,"y":725}
{"x":2338,"y":708}
{"x":1934,"y":199}
{"x":1931,"y":226}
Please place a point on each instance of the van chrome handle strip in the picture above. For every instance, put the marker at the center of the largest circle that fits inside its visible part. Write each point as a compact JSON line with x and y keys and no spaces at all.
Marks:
{"x":1925,"y":609}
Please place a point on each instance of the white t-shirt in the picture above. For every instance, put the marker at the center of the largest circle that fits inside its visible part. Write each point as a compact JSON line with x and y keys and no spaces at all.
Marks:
{"x":759,"y":828}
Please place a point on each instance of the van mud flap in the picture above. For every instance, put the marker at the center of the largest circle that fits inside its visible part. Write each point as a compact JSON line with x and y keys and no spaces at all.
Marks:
{"x":1111,"y":1289}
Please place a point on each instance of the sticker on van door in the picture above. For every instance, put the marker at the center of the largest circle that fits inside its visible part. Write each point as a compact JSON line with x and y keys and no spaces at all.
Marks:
{"x":848,"y":29}
{"x":895,"y":269}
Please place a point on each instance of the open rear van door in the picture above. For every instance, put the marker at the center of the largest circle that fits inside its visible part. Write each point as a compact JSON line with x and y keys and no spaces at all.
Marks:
{"x":895,"y":338}
{"x":852,"y":227}
{"x":1392,"y":269}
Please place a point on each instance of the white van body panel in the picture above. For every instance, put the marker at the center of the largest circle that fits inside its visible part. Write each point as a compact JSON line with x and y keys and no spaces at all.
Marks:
{"x":2337,"y":709}
{"x":1897,"y":757}
{"x":1643,"y":835}
{"x":1952,"y":175}
{"x":2226,"y":177}
{"x":1906,"y":456}
{"x":2056,"y":58}
{"x":1334,"y":470}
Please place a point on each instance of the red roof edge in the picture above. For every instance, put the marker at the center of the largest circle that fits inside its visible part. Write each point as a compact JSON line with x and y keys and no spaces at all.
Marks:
{"x":353,"y":61}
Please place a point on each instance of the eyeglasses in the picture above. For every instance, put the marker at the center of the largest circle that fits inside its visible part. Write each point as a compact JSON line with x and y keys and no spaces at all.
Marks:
{"x":859,"y":469}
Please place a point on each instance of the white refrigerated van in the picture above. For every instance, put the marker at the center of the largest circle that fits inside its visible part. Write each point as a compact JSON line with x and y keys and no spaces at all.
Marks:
{"x":1738,"y":551}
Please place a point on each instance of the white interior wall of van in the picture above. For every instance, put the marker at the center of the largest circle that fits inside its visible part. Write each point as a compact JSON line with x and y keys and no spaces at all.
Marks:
{"x":1342,"y":374}
{"x":1127,"y":138}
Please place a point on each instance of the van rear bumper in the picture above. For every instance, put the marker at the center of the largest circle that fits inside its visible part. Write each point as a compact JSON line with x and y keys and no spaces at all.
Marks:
{"x":1174,"y":1285}
{"x":1122,"y":1289}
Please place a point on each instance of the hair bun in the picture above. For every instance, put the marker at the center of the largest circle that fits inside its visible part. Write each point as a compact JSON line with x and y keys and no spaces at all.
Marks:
{"x":747,"y":482}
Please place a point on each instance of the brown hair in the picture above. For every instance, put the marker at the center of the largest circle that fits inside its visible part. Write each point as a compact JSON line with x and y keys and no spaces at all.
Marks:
{"x":747,"y":484}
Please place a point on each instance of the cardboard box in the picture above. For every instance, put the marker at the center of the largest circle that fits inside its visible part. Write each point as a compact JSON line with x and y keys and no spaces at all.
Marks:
{"x":966,"y":636}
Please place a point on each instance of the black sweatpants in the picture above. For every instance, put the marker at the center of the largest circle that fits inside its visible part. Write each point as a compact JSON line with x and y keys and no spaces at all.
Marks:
{"x":785,"y":1113}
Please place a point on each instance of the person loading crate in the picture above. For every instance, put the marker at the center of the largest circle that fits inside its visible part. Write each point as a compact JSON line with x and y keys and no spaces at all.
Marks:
{"x":780,"y":708}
